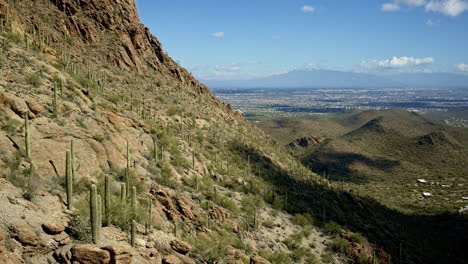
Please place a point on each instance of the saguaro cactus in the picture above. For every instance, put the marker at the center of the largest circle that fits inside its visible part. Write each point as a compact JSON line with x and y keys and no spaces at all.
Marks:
{"x":99,"y":213}
{"x":132,"y":233}
{"x":72,"y":152}
{"x":27,"y":139}
{"x":54,"y":100}
{"x":93,"y":206}
{"x":134,"y":199}
{"x":107,"y":198}
{"x":155,"y":150}
{"x":69,"y":180}
{"x":127,"y":171}
{"x":123,"y":192}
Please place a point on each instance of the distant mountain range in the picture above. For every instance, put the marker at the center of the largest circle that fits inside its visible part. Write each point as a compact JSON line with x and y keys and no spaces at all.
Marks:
{"x":342,"y":79}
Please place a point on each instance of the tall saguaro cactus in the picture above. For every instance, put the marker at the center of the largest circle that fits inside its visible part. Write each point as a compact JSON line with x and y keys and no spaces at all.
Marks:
{"x":107,"y":198}
{"x":134,"y":199}
{"x":123,"y":192}
{"x":99,"y":214}
{"x":69,"y":180}
{"x":72,"y":151}
{"x":127,"y":170}
{"x":93,"y":206}
{"x":27,"y":138}
{"x":132,"y":233}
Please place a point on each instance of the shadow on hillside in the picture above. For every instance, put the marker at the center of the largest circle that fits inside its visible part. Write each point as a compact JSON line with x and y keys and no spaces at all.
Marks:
{"x":336,"y":163}
{"x":419,"y":238}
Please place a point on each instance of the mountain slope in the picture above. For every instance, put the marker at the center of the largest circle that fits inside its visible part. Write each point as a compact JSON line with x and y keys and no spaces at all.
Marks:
{"x":95,"y":84}
{"x":202,"y":184}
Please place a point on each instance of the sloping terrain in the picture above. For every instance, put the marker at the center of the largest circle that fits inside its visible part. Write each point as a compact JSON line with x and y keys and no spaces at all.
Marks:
{"x":89,"y":98}
{"x":390,"y":150}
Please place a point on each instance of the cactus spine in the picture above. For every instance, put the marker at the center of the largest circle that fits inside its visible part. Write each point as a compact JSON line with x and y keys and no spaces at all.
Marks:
{"x":69,"y":180}
{"x":93,"y":205}
{"x":132,"y":233}
{"x":107,"y":198}
{"x":27,"y":139}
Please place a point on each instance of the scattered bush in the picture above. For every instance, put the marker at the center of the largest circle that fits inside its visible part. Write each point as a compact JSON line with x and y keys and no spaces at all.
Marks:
{"x":339,"y":244}
{"x":34,"y":80}
{"x":332,"y":228}
{"x":357,"y":238}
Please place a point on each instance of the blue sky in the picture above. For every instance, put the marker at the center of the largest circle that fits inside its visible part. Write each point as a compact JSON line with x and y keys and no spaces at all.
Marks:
{"x":225,"y":39}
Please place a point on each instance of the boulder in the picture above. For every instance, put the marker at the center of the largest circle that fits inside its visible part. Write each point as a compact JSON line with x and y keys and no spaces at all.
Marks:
{"x":53,"y":227}
{"x":25,"y":233}
{"x":181,"y":246}
{"x":34,"y":106}
{"x":184,"y":208}
{"x":89,"y":254}
{"x":15,"y":103}
{"x":119,"y":254}
{"x":171,"y":259}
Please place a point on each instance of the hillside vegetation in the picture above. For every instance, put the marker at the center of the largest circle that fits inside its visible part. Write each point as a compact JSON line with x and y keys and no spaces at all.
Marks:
{"x":110,"y":152}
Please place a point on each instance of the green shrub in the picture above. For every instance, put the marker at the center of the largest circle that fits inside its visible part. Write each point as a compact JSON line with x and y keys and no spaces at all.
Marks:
{"x":357,"y":238}
{"x":339,"y":244}
{"x":304,"y":219}
{"x":34,"y":80}
{"x":332,"y":228}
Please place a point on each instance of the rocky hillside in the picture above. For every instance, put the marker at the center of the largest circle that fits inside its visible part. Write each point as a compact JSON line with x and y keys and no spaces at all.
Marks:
{"x":110,"y":152}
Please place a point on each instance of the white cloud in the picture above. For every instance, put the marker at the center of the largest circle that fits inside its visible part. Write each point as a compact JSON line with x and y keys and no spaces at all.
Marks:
{"x":307,"y":9}
{"x":217,"y":35}
{"x":447,"y":7}
{"x":411,"y":2}
{"x":390,"y":7}
{"x":462,"y":67}
{"x":396,"y":62}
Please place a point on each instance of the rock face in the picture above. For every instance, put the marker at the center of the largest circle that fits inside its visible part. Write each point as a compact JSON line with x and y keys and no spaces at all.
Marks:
{"x":306,"y":142}
{"x":89,"y":254}
{"x":134,"y":49}
{"x":181,"y":246}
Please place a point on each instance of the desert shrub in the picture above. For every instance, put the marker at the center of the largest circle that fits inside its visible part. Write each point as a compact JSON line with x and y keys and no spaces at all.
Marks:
{"x":10,"y":125}
{"x":339,"y":244}
{"x":223,"y":201}
{"x":276,"y":257}
{"x":174,"y":110}
{"x":327,"y":258}
{"x":312,"y":259}
{"x":34,"y":80}
{"x":268,"y":223}
{"x":332,"y":228}
{"x":211,"y":247}
{"x":304,"y":219}
{"x":357,"y":238}
{"x":79,"y":228}
{"x":293,"y":241}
